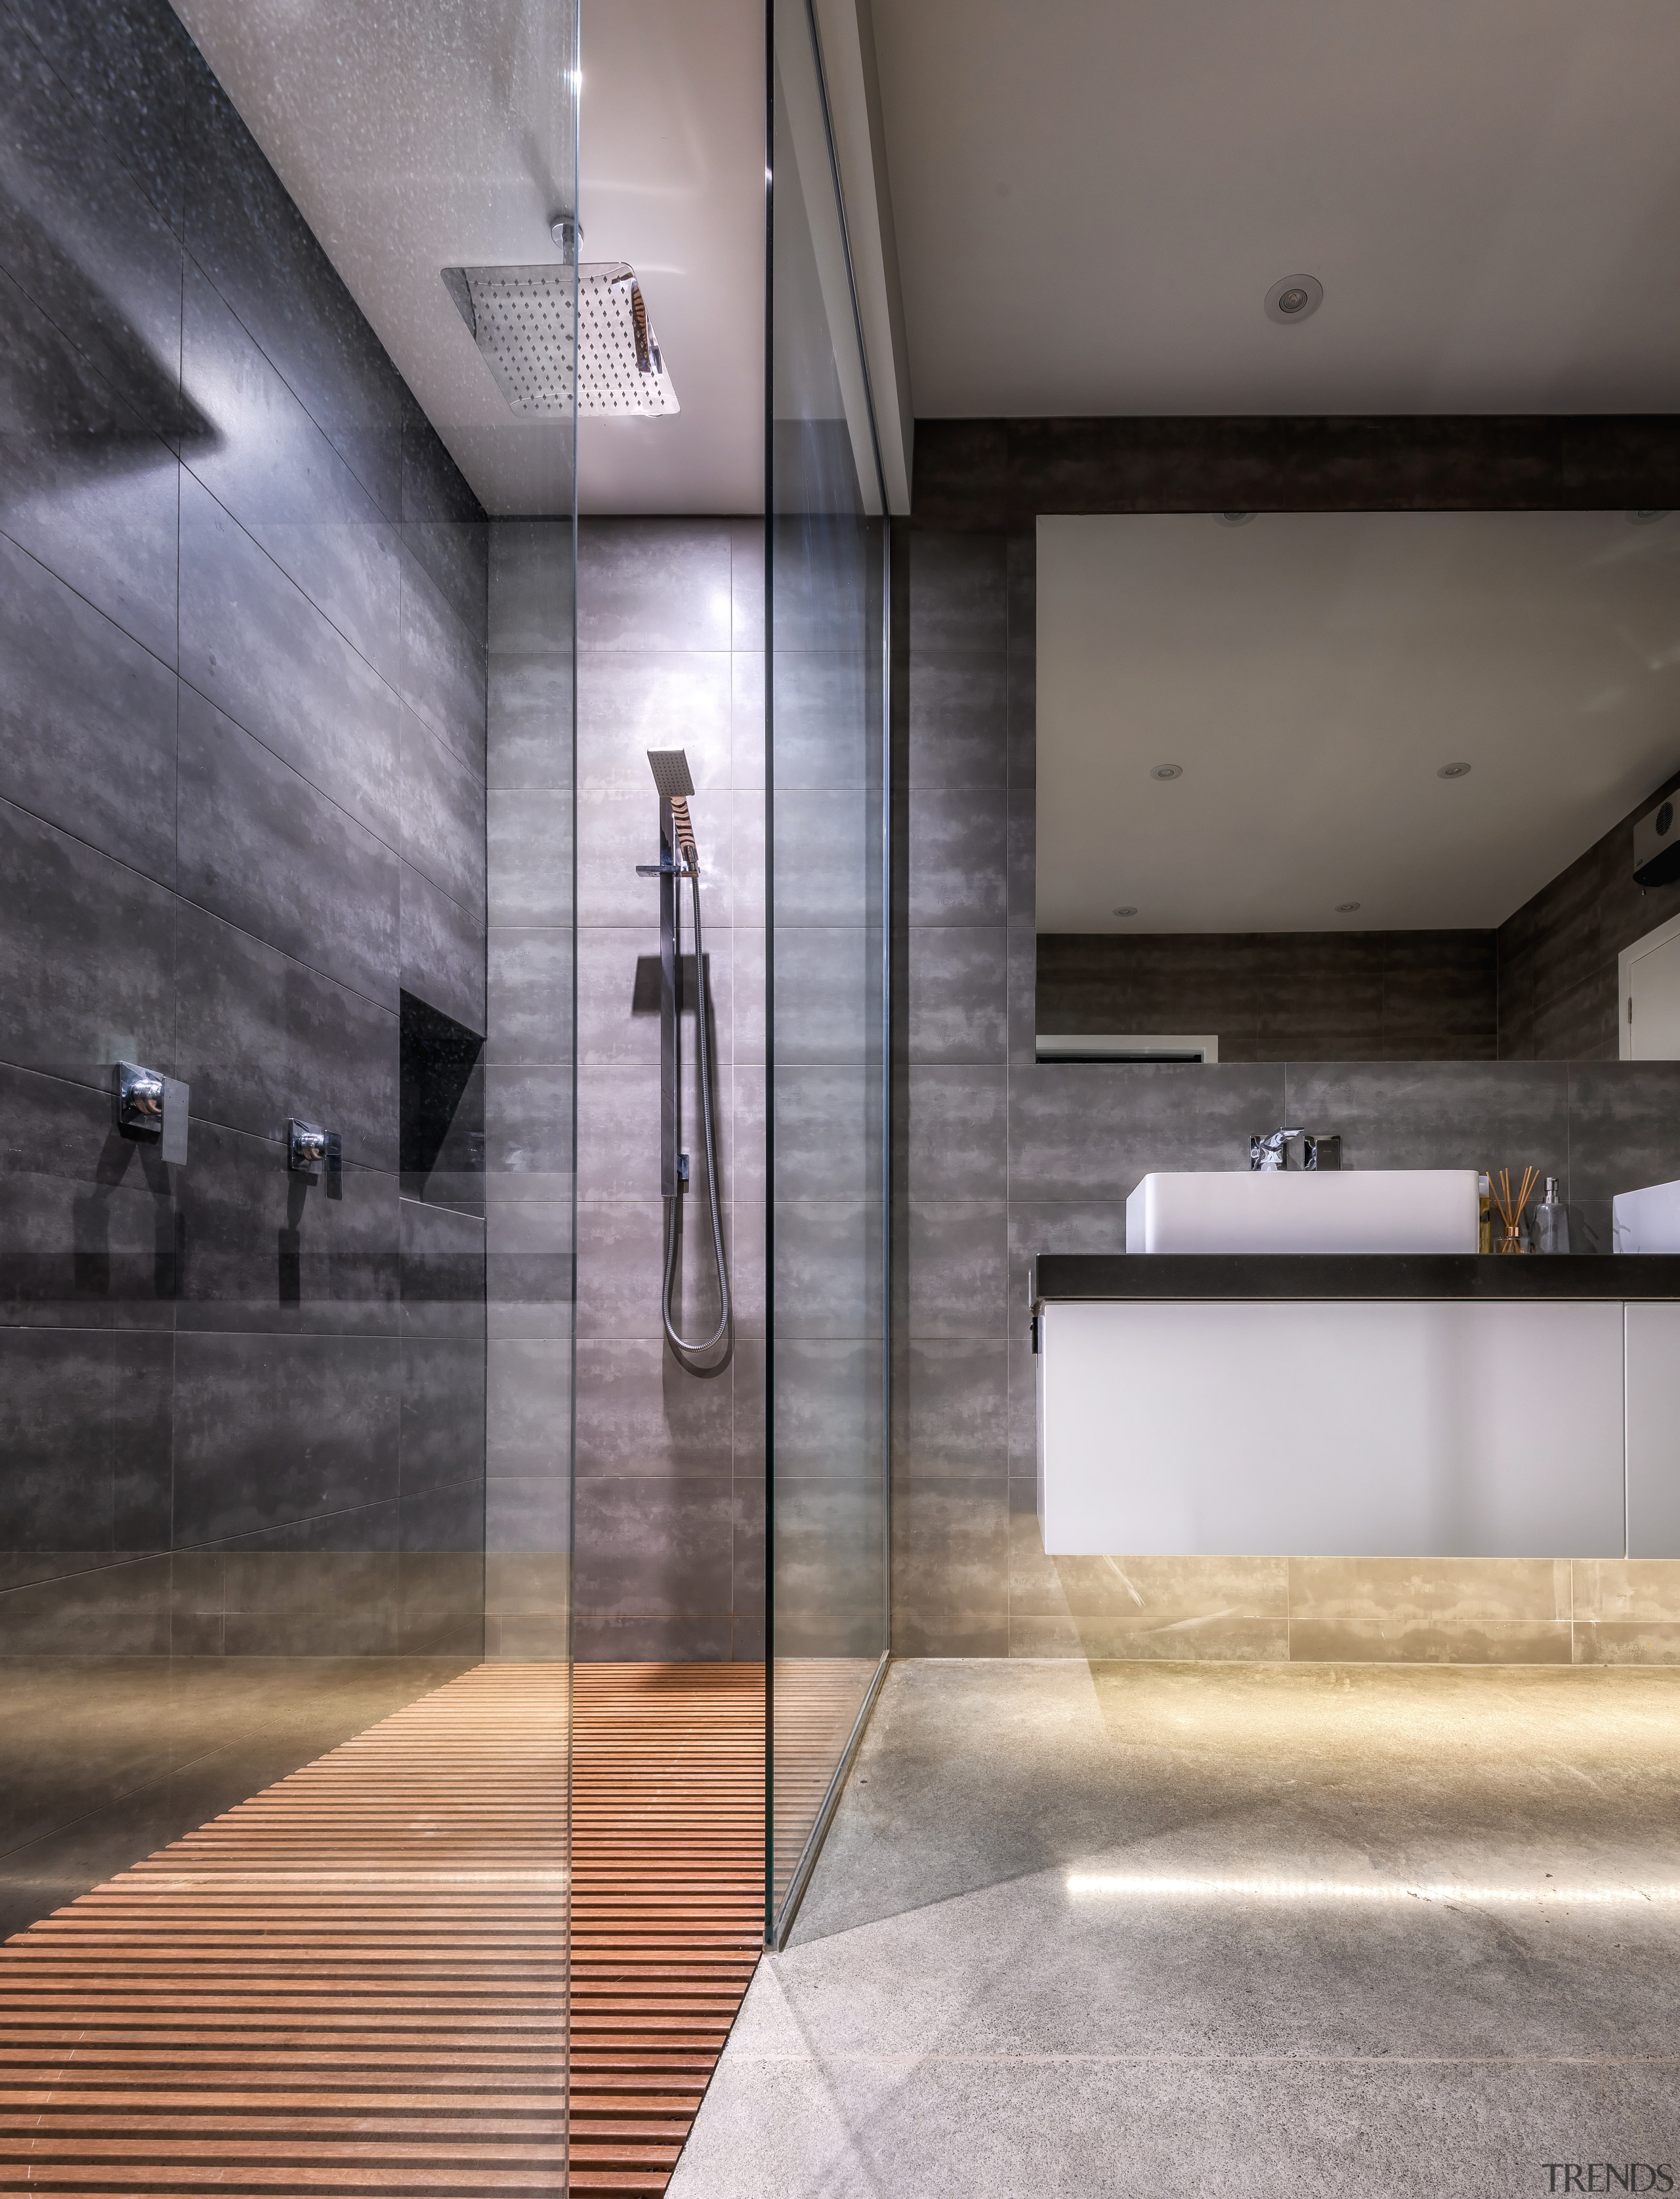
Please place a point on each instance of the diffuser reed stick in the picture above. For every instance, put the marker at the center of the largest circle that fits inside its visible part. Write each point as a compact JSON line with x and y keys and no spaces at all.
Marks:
{"x":1510,"y":1209}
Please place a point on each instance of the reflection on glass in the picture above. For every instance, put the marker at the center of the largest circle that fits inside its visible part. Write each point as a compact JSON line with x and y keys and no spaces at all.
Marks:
{"x":256,"y":600}
{"x":1350,"y":785}
{"x":828,"y":582}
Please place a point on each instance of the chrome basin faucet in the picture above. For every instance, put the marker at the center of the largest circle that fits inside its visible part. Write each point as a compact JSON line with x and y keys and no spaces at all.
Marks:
{"x":1267,"y":1155}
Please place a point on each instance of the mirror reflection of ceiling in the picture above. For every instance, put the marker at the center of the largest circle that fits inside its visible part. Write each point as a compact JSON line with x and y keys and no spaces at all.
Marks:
{"x":416,"y":137}
{"x":1310,"y":674}
{"x":1092,"y":202}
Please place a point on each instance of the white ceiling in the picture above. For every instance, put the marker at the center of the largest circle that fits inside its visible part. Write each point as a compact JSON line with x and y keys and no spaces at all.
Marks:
{"x":1310,"y":672}
{"x":1091,"y":201}
{"x":414,"y":136}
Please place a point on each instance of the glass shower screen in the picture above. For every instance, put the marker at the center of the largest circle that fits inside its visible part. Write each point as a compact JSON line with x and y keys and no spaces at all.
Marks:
{"x":826,"y":1006}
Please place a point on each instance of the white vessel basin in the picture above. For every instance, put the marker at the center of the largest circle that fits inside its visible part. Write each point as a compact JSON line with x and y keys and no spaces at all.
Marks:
{"x":1383,"y":1211}
{"x":1647,"y":1221}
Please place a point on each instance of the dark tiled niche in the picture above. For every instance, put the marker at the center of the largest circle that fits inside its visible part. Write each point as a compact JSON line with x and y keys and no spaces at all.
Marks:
{"x":442,"y":1098}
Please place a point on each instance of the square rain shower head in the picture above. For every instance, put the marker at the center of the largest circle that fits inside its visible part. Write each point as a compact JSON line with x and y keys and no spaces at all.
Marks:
{"x":519,"y":318}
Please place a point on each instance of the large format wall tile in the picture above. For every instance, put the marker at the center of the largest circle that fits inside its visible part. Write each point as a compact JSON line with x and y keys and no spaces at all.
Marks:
{"x":958,"y":707}
{"x":261,"y":1036}
{"x":950,"y":1544}
{"x":267,"y":851}
{"x":442,"y":1434}
{"x":826,"y":994}
{"x":654,"y":1547}
{"x":208,"y":450}
{"x":254,"y":644}
{"x":1445,"y":1114}
{"x":442,"y":949}
{"x":87,"y":955}
{"x":121,"y":1610}
{"x":651,"y":588}
{"x":1624,"y":1126}
{"x":530,"y":1388}
{"x":639,"y":1415}
{"x":630,"y":701}
{"x":957,"y":999}
{"x":1081,"y":1130}
{"x":271,"y":1431}
{"x":954,"y":1407}
{"x":830,"y":1553}
{"x":443,"y":813}
{"x":89,"y":247}
{"x":958,"y":592}
{"x":827,"y":1402}
{"x":88,"y":1226}
{"x":256,"y":247}
{"x":442,"y":669}
{"x":957,"y":1130}
{"x":528,"y":1009}
{"x":530,"y":845}
{"x":444,"y":528}
{"x":266,"y":463}
{"x":130,"y":73}
{"x":265,"y":1249}
{"x":88,"y":488}
{"x":822,"y":731}
{"x":87,"y":720}
{"x":957,"y":857}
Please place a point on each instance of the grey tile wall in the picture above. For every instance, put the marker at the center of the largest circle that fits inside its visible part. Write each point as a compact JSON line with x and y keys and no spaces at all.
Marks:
{"x":1558,"y":993}
{"x":964,"y":781}
{"x":1282,"y":995}
{"x":530,"y":1087}
{"x":1000,"y":1159}
{"x":830,"y":1526}
{"x":669,"y":1555}
{"x":242,"y":616}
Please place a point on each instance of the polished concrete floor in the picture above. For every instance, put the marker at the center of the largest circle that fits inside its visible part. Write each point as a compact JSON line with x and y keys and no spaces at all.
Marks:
{"x":102,"y":1760}
{"x":1162,"y":1930}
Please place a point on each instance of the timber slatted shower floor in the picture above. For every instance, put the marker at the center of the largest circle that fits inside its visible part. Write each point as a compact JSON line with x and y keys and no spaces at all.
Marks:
{"x":354,"y":1982}
{"x":668,"y":1903}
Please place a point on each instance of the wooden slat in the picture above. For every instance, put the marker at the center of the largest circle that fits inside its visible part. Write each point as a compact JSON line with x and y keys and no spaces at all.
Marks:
{"x":369,"y":1979}
{"x":357,"y":1981}
{"x":667,"y":1903}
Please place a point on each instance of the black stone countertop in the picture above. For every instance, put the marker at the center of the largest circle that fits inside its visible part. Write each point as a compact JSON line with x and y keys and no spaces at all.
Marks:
{"x":1354,"y":1276}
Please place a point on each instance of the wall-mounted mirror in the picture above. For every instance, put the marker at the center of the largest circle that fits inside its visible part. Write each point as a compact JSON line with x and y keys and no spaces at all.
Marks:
{"x":1354,"y":786}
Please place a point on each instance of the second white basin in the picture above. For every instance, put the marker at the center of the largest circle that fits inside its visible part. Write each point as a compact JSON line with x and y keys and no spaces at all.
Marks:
{"x":1347,"y":1211}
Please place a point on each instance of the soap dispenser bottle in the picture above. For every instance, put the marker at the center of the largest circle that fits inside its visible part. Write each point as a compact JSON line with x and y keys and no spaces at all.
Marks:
{"x":1551,"y":1224}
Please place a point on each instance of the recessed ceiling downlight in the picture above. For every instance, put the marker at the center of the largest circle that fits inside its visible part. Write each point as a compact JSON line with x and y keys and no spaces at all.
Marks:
{"x":1127,"y":911}
{"x":1454,"y":771}
{"x":1296,"y":298}
{"x":1645,"y":518}
{"x":1346,"y":907}
{"x":1167,"y":771}
{"x":1233,"y":518}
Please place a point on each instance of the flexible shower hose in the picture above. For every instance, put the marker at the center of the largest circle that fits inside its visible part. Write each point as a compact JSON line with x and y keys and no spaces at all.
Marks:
{"x":686,"y":1348}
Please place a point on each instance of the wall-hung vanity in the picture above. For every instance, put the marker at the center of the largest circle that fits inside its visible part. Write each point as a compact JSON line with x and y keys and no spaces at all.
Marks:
{"x":1358,"y":1404}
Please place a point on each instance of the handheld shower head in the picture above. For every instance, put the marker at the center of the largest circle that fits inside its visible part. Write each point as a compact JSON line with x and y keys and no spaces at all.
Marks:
{"x":671,"y":771}
{"x":675,"y":782}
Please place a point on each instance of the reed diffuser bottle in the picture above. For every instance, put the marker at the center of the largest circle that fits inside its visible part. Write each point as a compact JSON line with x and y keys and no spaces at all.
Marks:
{"x":1550,"y":1225}
{"x":1509,"y":1205}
